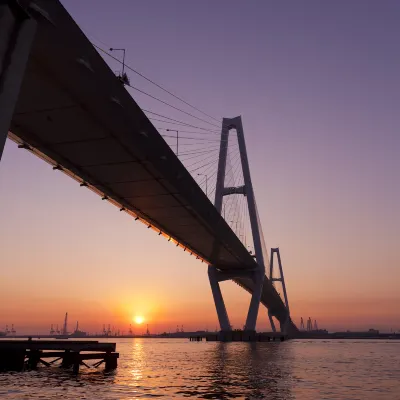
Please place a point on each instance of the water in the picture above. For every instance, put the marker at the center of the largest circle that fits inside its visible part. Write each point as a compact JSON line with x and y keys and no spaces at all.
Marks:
{"x":178,"y":369}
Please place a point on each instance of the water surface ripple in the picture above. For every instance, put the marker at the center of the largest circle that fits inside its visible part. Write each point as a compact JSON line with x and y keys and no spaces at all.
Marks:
{"x":178,"y":369}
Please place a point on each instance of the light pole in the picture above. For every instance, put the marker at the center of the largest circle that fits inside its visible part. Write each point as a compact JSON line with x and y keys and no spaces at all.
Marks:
{"x":206,"y":182}
{"x":236,"y":222}
{"x":123,"y":58}
{"x":177,"y":138}
{"x":123,"y":77}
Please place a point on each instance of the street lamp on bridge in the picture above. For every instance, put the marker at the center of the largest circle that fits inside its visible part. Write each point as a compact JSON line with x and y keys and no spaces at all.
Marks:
{"x":123,"y":77}
{"x":235,"y":222}
{"x":206,"y":182}
{"x":177,"y":138}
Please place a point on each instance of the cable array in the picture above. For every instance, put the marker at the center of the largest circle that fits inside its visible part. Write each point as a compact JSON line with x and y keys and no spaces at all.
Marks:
{"x":195,"y":137}
{"x":234,"y":206}
{"x":155,"y":84}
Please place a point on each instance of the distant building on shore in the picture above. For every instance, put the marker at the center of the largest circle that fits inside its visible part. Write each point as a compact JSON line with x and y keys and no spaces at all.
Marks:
{"x":370,"y":333}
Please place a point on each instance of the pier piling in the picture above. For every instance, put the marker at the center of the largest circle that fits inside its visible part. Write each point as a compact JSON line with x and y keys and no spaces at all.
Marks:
{"x":12,"y":359}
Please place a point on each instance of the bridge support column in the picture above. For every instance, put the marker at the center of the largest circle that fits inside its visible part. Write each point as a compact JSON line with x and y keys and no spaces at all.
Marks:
{"x":217,"y":276}
{"x":284,"y":326}
{"x":17,"y":31}
{"x":271,"y":321}
{"x":287,"y":324}
{"x":252,"y":314}
{"x":218,"y":299}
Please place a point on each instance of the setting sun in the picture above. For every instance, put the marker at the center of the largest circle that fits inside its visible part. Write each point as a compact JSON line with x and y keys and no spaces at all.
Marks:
{"x":138,"y":319}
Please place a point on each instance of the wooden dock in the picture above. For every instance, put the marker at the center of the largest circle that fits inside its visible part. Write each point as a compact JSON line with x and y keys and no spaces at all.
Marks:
{"x":18,"y":355}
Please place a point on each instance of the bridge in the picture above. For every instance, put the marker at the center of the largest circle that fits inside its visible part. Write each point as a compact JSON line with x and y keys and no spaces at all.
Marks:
{"x":60,"y":100}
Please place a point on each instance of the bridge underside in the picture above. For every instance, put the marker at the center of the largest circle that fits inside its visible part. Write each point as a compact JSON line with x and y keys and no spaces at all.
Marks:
{"x":75,"y":114}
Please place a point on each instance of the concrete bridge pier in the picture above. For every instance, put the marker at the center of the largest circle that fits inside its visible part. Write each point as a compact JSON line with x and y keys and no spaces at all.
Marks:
{"x":216,"y":276}
{"x":251,"y":321}
{"x":17,"y":31}
{"x":271,"y":321}
{"x":223,"y":318}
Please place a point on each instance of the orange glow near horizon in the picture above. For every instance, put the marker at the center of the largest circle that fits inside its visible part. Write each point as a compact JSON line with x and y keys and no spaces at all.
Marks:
{"x":156,"y":281}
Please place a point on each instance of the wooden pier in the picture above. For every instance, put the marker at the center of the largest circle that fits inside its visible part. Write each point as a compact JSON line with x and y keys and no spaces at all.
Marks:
{"x":18,"y":355}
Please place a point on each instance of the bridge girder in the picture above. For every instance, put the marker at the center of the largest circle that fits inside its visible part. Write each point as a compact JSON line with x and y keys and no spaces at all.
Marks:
{"x":17,"y":31}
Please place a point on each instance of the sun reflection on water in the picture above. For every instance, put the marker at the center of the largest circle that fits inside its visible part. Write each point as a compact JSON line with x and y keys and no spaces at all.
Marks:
{"x":138,"y":359}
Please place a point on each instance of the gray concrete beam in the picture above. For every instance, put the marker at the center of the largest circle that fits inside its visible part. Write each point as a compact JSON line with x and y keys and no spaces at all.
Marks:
{"x":17,"y":31}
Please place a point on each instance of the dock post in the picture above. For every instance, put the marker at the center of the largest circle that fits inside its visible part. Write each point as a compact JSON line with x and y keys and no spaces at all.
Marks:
{"x":75,"y":368}
{"x":67,"y":360}
{"x":111,"y":361}
{"x":33,"y":358}
{"x":12,"y":360}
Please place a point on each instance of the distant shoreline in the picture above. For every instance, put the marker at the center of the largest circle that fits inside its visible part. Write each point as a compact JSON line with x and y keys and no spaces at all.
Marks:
{"x":187,"y":335}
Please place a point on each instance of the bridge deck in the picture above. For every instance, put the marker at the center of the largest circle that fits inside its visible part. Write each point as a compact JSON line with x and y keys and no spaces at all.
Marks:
{"x":74,"y":113}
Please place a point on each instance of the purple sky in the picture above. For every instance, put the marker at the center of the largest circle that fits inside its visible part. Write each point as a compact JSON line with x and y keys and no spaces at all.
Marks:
{"x":317,"y":85}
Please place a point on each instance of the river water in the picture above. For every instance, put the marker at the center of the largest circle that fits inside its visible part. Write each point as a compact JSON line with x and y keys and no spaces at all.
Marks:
{"x":178,"y":369}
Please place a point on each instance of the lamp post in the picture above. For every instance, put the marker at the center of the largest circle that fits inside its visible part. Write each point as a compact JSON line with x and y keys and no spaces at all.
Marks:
{"x":123,"y":77}
{"x":236,"y":222}
{"x":206,"y":182}
{"x":177,"y":138}
{"x":123,"y":58}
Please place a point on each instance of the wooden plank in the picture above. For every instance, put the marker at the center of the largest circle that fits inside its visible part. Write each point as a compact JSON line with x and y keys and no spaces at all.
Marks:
{"x":58,"y":342}
{"x":81,"y":356}
{"x":52,"y":354}
{"x":97,"y":356}
{"x":56,"y":345}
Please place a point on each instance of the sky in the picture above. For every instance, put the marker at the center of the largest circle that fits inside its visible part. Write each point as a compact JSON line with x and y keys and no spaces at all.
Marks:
{"x":317,"y":86}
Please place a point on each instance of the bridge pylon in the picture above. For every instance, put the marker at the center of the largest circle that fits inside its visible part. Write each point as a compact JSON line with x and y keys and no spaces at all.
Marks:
{"x":257,"y":275}
{"x":280,"y":279}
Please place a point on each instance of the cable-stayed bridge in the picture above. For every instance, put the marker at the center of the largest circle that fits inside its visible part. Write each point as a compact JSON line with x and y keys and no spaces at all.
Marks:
{"x":61,"y":101}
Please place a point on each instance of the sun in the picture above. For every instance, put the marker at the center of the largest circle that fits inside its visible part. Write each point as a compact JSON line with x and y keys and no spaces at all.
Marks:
{"x":138,"y":319}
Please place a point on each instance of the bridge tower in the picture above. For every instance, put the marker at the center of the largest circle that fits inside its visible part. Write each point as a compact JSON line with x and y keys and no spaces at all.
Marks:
{"x":257,"y":275}
{"x":280,"y":279}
